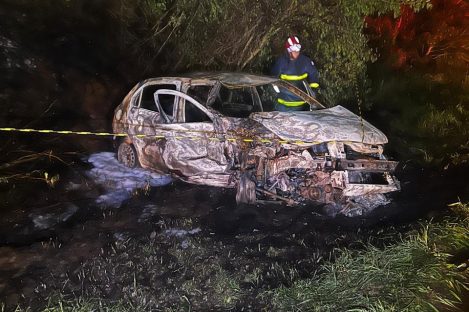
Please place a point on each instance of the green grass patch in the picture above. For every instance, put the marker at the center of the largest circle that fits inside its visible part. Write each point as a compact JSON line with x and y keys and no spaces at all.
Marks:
{"x":414,"y":274}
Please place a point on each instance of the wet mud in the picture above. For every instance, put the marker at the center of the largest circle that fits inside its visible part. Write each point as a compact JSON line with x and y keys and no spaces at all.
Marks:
{"x":136,"y":236}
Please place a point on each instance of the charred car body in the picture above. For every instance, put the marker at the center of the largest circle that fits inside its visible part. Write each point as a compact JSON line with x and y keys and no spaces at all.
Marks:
{"x":222,"y":130}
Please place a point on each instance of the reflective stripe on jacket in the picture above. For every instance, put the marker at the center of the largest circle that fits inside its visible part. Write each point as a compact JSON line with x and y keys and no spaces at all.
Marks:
{"x":295,"y":71}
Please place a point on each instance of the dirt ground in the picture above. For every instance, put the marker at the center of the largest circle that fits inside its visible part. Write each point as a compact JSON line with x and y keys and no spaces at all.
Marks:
{"x":178,"y":246}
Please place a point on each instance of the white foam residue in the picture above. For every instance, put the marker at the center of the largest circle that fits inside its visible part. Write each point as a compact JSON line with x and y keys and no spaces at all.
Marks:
{"x":120,"y":181}
{"x":181,"y":232}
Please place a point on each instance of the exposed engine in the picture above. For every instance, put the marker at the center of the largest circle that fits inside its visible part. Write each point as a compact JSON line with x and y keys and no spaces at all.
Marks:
{"x":330,"y":173}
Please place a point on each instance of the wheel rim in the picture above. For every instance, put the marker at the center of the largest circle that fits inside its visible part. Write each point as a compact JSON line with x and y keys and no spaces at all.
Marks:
{"x":126,"y":155}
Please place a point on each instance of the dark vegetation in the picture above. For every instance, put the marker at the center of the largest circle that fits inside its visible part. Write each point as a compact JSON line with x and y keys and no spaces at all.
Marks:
{"x":422,"y":87}
{"x":66,"y":64}
{"x":71,"y":62}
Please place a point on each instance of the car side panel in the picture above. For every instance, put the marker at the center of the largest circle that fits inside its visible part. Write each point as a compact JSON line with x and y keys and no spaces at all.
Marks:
{"x":144,"y":130}
{"x":191,"y":151}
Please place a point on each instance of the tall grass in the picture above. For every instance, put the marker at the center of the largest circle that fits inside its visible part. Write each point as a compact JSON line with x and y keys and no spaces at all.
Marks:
{"x":411,"y":275}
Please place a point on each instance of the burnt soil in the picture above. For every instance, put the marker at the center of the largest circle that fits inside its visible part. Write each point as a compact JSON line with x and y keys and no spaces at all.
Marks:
{"x":182,"y":245}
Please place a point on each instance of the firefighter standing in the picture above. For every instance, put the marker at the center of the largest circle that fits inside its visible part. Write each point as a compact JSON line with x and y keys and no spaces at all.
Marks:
{"x":295,"y":68}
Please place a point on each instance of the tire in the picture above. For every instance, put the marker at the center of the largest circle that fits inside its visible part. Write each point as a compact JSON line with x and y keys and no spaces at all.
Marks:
{"x":127,"y":155}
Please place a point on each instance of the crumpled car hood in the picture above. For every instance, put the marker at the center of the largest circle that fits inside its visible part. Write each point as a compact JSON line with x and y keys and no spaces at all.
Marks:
{"x":331,"y":124}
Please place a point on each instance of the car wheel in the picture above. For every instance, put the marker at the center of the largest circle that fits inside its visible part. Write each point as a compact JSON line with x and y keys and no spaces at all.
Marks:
{"x":127,"y":155}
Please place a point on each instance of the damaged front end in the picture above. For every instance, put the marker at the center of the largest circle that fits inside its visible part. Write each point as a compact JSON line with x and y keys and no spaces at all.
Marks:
{"x":348,"y":175}
{"x":333,"y":173}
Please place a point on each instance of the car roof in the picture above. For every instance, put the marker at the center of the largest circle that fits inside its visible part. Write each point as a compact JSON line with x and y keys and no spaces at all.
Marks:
{"x":234,"y":79}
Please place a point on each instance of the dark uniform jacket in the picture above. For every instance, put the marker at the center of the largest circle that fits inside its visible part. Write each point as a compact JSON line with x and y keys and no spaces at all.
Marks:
{"x":296,"y":72}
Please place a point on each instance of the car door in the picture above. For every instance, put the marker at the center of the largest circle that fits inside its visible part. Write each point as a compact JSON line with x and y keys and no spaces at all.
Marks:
{"x":192,"y":150}
{"x":145,"y":119}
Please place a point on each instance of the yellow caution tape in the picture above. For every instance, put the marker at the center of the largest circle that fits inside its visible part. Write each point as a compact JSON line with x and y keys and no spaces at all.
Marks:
{"x":160,"y":137}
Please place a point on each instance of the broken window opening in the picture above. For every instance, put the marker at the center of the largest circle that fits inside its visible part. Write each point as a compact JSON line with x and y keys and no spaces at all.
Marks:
{"x":200,"y":93}
{"x":166,"y":101}
{"x":235,"y":102}
{"x":194,"y":114}
{"x":268,"y":95}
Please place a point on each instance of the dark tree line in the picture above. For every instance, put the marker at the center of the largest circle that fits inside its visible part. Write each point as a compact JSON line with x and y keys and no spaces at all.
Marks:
{"x":79,"y":57}
{"x":137,"y":39}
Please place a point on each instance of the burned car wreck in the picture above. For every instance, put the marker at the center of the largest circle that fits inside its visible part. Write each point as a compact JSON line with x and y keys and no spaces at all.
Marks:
{"x":221,"y":130}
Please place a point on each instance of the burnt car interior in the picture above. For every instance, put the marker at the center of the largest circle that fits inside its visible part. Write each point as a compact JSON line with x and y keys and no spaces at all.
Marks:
{"x":193,"y":114}
{"x":186,"y":110}
{"x":241,"y":101}
{"x":230,"y":101}
{"x":200,"y":93}
{"x":166,"y":100}
{"x":268,"y":96}
{"x":235,"y":102}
